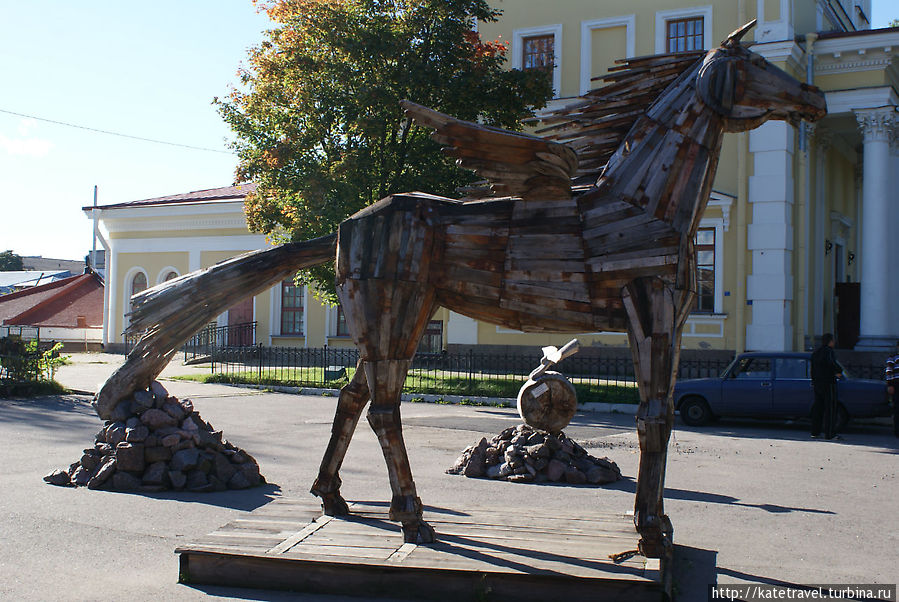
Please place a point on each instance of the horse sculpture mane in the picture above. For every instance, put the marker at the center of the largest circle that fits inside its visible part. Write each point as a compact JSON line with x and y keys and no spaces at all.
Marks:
{"x":548,"y":256}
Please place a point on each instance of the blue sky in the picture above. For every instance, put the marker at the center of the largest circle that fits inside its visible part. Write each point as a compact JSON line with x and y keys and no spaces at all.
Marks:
{"x":147,"y":69}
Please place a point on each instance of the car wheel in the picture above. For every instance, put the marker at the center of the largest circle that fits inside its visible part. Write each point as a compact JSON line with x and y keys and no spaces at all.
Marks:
{"x":694,"y":411}
{"x":842,"y":418}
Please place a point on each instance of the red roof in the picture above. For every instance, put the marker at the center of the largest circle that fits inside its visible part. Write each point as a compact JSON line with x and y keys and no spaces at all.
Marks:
{"x":75,"y":302}
{"x":227,"y":193}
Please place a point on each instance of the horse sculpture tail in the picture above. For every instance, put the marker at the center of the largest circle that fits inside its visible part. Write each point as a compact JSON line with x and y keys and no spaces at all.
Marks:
{"x":169,"y":314}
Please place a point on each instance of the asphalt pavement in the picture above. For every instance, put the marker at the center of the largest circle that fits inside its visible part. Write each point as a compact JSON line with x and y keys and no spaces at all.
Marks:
{"x":750,"y":502}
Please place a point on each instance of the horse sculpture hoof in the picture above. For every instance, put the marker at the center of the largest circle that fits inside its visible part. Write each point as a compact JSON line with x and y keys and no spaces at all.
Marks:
{"x":419,"y":532}
{"x":334,"y":505}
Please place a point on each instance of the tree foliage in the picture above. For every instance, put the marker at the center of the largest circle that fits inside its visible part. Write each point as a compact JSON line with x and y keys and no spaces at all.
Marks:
{"x":317,"y":117}
{"x":10,"y":262}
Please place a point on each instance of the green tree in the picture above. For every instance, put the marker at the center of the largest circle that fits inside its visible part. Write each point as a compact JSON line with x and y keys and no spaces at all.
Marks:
{"x":10,"y":262}
{"x":894,"y":23}
{"x":317,"y":117}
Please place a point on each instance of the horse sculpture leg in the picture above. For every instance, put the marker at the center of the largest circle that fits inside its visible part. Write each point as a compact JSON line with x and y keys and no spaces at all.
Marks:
{"x":353,"y":397}
{"x":656,"y":316}
{"x":386,"y":379}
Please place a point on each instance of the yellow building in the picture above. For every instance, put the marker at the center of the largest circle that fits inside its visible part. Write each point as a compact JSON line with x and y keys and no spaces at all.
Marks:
{"x":794,"y":242}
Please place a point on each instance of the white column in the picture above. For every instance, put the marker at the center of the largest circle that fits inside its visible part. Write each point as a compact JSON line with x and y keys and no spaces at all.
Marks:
{"x":770,"y":238}
{"x":876,"y":325}
{"x":821,"y":211}
{"x":893,"y":208}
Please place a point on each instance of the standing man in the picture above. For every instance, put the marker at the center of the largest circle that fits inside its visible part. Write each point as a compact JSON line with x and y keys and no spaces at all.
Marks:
{"x":892,"y":378}
{"x":825,"y":370}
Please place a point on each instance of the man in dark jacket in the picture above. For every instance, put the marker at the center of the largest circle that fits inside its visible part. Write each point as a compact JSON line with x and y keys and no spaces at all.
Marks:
{"x":825,"y":370}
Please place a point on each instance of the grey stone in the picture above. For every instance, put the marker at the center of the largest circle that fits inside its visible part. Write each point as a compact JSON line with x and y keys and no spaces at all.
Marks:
{"x":251,"y":471}
{"x":90,"y":461}
{"x":187,"y":405}
{"x":122,"y":410}
{"x":209,"y":439}
{"x":81,"y":477}
{"x":173,"y":409}
{"x":130,"y":456}
{"x":520,"y":478}
{"x":137,"y":434}
{"x":122,"y":481}
{"x":477,"y":463}
{"x":101,"y":436}
{"x":197,"y":481}
{"x":158,"y":390}
{"x":59,"y":477}
{"x":217,"y":483}
{"x":171,"y":440}
{"x":599,"y":475}
{"x":156,"y":419}
{"x":177,"y":479}
{"x":238,"y":481}
{"x":224,"y":470}
{"x":156,"y":454}
{"x":190,"y":424}
{"x":240,"y":457}
{"x":155,"y":474}
{"x":115,"y":433}
{"x":132,"y":422}
{"x":107,"y":469}
{"x":493,"y":472}
{"x":185,"y":459}
{"x":151,"y":441}
{"x":583,"y":464}
{"x":104,"y":449}
{"x":554,"y":470}
{"x":505,"y":469}
{"x":575,"y":476}
{"x":540,"y":464}
{"x":143,"y":401}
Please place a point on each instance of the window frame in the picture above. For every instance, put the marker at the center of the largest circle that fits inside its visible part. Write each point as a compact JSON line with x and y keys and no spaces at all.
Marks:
{"x":663,"y":16}
{"x":587,"y":29}
{"x":687,"y":37}
{"x":283,"y":309}
{"x":697,"y":248}
{"x":520,"y":35}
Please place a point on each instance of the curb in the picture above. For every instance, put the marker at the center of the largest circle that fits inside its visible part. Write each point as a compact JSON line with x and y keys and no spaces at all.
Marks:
{"x":503,"y":402}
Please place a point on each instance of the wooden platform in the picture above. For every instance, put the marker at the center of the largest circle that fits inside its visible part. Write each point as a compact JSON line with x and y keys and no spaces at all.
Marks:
{"x":482,"y":555}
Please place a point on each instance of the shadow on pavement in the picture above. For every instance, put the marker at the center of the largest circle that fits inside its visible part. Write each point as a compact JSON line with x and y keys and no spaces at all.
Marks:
{"x":630,"y":486}
{"x":865,"y":434}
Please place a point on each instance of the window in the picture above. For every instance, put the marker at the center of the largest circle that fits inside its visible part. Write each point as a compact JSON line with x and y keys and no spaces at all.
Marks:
{"x":171,"y":275}
{"x":753,"y":367}
{"x":791,"y":367}
{"x":138,"y":284}
{"x":684,"y":34}
{"x":432,"y":341}
{"x":537,"y":52}
{"x":539,"y":48}
{"x":291,"y":308}
{"x":705,"y":270}
{"x":341,"y":329}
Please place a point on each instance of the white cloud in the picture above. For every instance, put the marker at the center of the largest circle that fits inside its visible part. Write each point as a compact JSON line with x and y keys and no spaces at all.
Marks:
{"x":30,"y":147}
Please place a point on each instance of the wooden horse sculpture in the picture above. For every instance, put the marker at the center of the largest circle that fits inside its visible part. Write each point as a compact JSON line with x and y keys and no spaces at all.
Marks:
{"x":615,"y":254}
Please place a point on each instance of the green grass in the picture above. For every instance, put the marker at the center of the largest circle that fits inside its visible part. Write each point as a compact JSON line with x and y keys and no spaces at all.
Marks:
{"x":37,"y":388}
{"x":485,"y":386}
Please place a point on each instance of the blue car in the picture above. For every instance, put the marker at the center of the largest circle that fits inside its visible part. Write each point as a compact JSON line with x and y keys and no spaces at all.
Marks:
{"x":774,"y":385}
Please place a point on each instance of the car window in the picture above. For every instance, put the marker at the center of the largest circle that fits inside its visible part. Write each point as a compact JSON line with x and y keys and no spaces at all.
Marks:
{"x":791,"y":367}
{"x":753,"y":367}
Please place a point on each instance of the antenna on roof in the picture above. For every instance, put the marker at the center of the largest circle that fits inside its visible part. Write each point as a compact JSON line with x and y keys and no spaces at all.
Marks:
{"x":93,"y":262}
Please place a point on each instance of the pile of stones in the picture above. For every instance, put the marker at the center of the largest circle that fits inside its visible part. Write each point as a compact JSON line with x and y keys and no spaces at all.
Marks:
{"x":156,"y":442}
{"x":522,"y":454}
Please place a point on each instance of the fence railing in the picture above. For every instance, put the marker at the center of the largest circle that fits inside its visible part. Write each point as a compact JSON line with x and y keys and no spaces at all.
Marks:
{"x":202,"y":344}
{"x":470,"y":374}
{"x":26,"y":333}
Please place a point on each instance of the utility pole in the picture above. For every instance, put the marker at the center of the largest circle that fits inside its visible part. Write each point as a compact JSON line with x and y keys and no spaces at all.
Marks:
{"x":94,"y":247}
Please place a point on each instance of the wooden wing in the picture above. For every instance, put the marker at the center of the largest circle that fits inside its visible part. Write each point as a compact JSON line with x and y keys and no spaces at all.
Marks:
{"x":518,"y":165}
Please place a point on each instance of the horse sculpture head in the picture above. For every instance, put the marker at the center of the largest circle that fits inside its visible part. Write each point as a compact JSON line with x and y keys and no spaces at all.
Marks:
{"x":746,"y":90}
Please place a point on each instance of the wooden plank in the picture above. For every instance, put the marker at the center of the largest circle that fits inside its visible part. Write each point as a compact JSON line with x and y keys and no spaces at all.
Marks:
{"x":301,"y":535}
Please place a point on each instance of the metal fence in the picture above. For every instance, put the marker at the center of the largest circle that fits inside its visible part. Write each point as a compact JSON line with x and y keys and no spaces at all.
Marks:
{"x":469,"y":374}
{"x":201,"y":346}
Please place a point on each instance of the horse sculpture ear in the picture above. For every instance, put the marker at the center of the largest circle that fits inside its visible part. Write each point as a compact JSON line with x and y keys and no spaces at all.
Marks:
{"x":720,"y":84}
{"x":734,"y":38}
